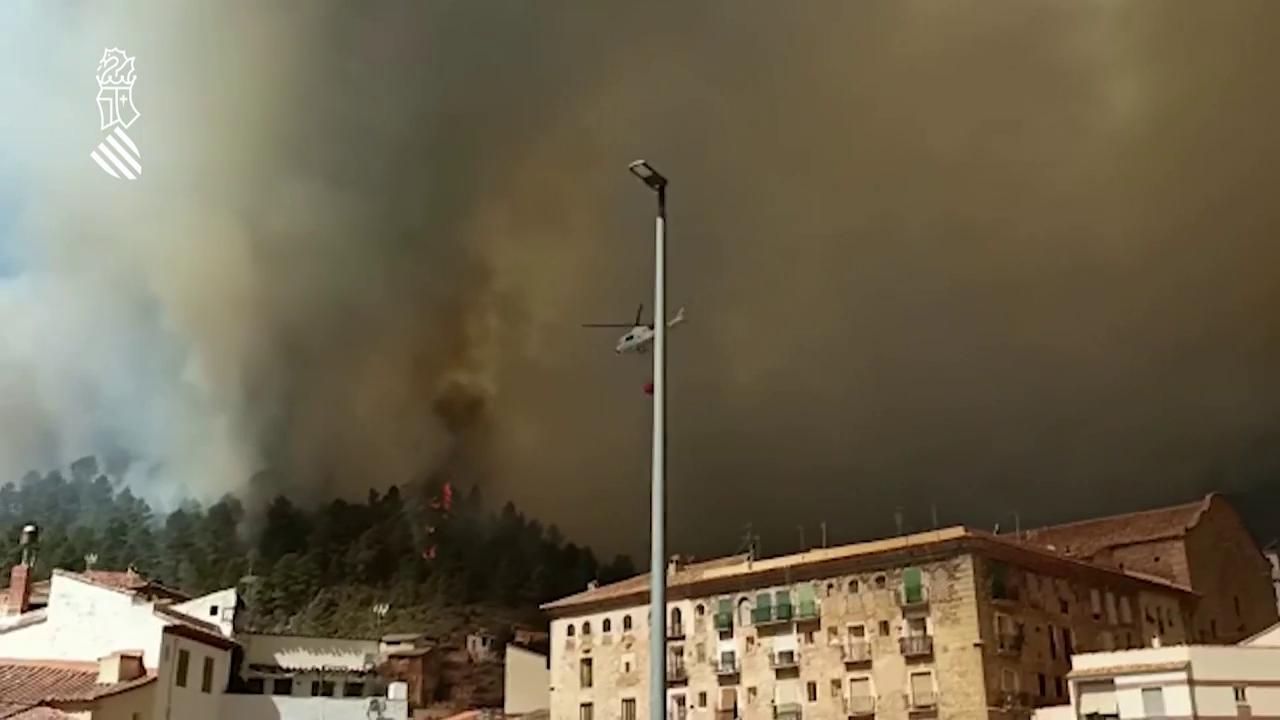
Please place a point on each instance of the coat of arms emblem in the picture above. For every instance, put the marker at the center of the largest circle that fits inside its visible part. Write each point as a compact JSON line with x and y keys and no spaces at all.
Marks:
{"x":117,"y":154}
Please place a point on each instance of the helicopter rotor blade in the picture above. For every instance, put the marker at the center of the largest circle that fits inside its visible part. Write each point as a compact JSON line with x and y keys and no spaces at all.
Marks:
{"x":606,"y":325}
{"x":639,"y":312}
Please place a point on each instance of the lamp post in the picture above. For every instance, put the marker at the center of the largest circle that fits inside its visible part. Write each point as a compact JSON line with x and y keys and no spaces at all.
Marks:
{"x":658,"y":511}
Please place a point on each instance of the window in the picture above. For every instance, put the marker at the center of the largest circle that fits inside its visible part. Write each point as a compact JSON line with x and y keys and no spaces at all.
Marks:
{"x":1126,"y":612}
{"x":1237,"y":601}
{"x":1067,"y":644}
{"x":206,"y":677}
{"x":857,"y":632}
{"x":1112,"y":616}
{"x":1153,"y":702}
{"x":677,"y":622}
{"x":1008,"y":680}
{"x":1239,"y":692}
{"x":1053,"y":642}
{"x":586,"y":628}
{"x":884,"y":628}
{"x":1064,"y":606}
{"x":322,"y":688}
{"x":1213,"y":629}
{"x":680,"y":706}
{"x":606,"y":625}
{"x":584,"y":672}
{"x":213,"y":611}
{"x":835,"y":688}
{"x":809,"y":638}
{"x":353,"y":689}
{"x":255,"y":686}
{"x":744,"y":612}
{"x":282,"y":686}
{"x":626,"y":623}
{"x":584,"y":711}
{"x":811,"y":691}
{"x":831,"y":589}
{"x":833,"y":635}
{"x":184,"y":663}
{"x":1095,"y":603}
{"x":628,"y":662}
{"x":853,"y":586}
{"x":879,"y":581}
{"x":702,"y":699}
{"x":1059,"y":687}
{"x":699,"y":610}
{"x":860,"y":687}
{"x":921,"y":685}
{"x":752,"y":694}
{"x":1041,"y":684}
{"x":628,"y":709}
{"x":570,"y":631}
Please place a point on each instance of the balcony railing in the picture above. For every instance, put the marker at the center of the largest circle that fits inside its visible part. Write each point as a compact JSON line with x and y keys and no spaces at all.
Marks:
{"x":860,"y":706}
{"x":789,"y":711}
{"x":675,"y":632}
{"x":924,"y":700}
{"x":772,"y":615}
{"x":727,"y":666}
{"x":910,"y":598}
{"x":916,"y":645}
{"x":677,"y":672}
{"x":857,"y":651}
{"x":1009,"y":643}
{"x":784,"y":660}
{"x":807,"y":610}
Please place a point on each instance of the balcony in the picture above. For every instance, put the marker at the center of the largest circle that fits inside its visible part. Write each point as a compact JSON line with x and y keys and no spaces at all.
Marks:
{"x":771,"y":615}
{"x":677,"y":672}
{"x":786,"y":711}
{"x":807,"y":610}
{"x":727,"y":666}
{"x":1010,"y":699}
{"x":922,"y":702}
{"x":675,"y":632}
{"x":1009,"y":643}
{"x":912,"y":598}
{"x":856,"y":652}
{"x":914,"y":646}
{"x":785,"y":660}
{"x":860,"y":706}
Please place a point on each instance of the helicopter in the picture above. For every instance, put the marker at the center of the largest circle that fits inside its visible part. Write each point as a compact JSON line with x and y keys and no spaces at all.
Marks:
{"x":639,"y":337}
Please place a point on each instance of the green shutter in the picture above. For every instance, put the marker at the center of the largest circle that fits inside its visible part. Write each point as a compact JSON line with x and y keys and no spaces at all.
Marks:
{"x":763,"y":611}
{"x":724,"y":616}
{"x":807,"y":601}
{"x":912,"y":585}
{"x":782,"y":603}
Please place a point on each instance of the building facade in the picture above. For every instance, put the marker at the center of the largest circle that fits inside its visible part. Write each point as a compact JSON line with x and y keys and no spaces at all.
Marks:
{"x":1202,"y":545}
{"x":955,"y":623}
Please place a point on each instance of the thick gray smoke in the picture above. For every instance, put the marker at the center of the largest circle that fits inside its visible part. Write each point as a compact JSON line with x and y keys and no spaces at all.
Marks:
{"x":970,"y":254}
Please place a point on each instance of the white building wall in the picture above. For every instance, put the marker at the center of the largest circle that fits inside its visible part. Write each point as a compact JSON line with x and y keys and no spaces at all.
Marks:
{"x":85,"y":622}
{"x":266,"y":707}
{"x":291,"y":651}
{"x":191,"y":702}
{"x":526,"y":682}
{"x":136,"y":704}
{"x":218,"y":608}
{"x":1176,"y":692}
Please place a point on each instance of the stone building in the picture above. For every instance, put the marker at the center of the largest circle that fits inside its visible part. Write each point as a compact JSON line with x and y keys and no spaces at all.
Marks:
{"x":955,"y":623}
{"x":1202,"y":545}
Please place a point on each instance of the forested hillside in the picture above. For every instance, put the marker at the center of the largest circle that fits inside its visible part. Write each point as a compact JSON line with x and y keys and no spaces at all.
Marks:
{"x":437,"y":559}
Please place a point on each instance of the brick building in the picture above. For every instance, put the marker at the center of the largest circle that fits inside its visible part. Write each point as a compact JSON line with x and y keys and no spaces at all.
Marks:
{"x":955,"y":623}
{"x":1202,"y":545}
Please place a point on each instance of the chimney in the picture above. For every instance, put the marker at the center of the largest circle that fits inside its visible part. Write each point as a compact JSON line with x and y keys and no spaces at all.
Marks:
{"x":120,"y":667}
{"x":19,"y":598}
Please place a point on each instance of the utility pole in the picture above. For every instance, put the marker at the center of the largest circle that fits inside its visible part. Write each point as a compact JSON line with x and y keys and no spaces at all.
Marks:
{"x":824,"y":534}
{"x":658,"y":510}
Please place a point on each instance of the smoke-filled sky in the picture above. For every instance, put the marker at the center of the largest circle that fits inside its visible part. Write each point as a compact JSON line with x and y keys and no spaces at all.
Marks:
{"x":987,"y":256}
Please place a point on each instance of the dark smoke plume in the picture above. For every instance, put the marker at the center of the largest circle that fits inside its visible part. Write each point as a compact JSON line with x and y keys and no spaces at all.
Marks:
{"x":975,"y":255}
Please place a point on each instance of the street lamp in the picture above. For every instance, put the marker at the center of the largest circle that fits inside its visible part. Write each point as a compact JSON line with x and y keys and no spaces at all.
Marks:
{"x":658,"y":512}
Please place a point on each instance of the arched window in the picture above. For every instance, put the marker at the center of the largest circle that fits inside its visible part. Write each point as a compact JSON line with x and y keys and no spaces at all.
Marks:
{"x":586,"y":629}
{"x":626,"y":623}
{"x":831,"y":589}
{"x":606,"y":626}
{"x":677,"y":622}
{"x":880,"y":581}
{"x":853,"y":585}
{"x":699,"y":610}
{"x":570,"y":631}
{"x":744,"y":613}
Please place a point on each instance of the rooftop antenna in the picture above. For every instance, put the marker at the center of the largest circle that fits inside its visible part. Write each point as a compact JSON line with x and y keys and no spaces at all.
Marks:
{"x":933,"y":514}
{"x":824,"y":534}
{"x":897,"y":519}
{"x":1017,"y":526}
{"x":90,"y":560}
{"x":803,"y":546}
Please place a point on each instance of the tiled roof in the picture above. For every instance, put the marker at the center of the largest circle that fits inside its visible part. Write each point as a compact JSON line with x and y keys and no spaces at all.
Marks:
{"x":189,"y":627}
{"x":26,"y":684}
{"x":740,"y":571}
{"x":1086,"y":538}
{"x":128,"y":581}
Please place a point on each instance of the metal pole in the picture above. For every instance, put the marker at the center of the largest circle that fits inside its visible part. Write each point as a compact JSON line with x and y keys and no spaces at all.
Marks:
{"x":658,"y":530}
